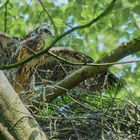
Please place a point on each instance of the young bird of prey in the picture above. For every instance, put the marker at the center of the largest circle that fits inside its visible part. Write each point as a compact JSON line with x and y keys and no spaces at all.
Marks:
{"x":29,"y":45}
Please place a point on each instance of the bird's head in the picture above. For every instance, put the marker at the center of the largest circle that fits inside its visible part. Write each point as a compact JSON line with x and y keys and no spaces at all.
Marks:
{"x":45,"y":30}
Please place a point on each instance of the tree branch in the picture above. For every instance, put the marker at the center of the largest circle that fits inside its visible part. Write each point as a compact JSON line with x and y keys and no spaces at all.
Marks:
{"x":5,"y":17}
{"x":91,"y":64}
{"x":86,"y":72}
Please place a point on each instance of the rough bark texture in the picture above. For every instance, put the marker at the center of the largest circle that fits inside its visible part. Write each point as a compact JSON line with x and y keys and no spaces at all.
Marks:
{"x":14,"y":116}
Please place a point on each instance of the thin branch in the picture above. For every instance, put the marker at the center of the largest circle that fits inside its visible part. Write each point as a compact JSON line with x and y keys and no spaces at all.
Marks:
{"x":27,"y":7}
{"x":40,"y":16}
{"x":92,"y":64}
{"x":25,"y":10}
{"x":41,"y":3}
{"x":101,"y":15}
{"x":5,"y":17}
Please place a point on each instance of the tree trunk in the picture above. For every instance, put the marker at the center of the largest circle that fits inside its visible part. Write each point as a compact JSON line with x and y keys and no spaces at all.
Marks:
{"x":15,"y":117}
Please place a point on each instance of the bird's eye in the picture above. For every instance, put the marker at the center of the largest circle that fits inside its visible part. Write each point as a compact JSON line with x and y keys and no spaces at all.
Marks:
{"x":46,"y":30}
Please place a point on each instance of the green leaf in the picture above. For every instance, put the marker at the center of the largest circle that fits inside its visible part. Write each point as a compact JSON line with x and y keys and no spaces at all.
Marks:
{"x":126,"y":14}
{"x":87,"y":12}
{"x":136,"y":9}
{"x":58,"y":22}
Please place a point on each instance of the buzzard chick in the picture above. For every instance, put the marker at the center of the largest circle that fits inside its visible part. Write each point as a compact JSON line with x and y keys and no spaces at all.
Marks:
{"x":35,"y":41}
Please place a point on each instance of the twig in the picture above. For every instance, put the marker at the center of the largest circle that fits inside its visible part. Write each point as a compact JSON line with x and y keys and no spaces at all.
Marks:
{"x":5,"y":17}
{"x":92,"y":64}
{"x":81,"y":104}
{"x":39,"y":16}
{"x":101,"y":15}
{"x":41,"y":3}
{"x":26,"y":9}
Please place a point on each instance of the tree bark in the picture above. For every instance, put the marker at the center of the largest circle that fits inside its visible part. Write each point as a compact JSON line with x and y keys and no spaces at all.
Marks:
{"x":14,"y":116}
